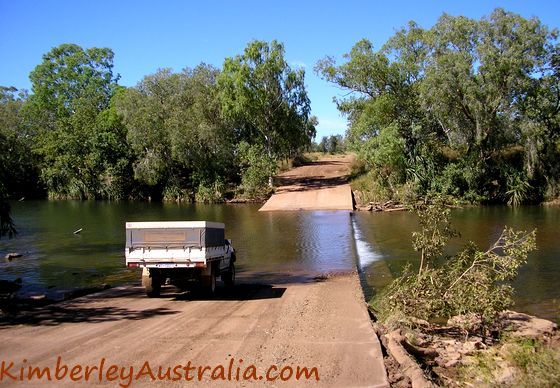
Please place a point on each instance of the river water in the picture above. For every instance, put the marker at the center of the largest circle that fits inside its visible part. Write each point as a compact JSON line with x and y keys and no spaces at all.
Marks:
{"x":271,"y":246}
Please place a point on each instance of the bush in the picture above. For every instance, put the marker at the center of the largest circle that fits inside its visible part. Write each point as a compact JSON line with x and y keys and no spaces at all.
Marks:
{"x":539,"y":363}
{"x":518,"y":188}
{"x":367,"y":188}
{"x":471,"y":282}
{"x":256,"y":169}
{"x":407,"y":193}
{"x":210,"y":193}
{"x":174,"y":193}
{"x":300,"y":160}
{"x":534,"y":364}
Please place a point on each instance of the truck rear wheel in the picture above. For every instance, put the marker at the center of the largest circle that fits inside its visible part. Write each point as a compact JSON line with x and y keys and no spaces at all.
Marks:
{"x":229,"y":277}
{"x":208,"y":283}
{"x":152,"y":285}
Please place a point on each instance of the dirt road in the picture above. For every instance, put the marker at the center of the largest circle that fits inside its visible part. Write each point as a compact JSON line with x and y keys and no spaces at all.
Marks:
{"x":319,"y":323}
{"x":320,"y":185}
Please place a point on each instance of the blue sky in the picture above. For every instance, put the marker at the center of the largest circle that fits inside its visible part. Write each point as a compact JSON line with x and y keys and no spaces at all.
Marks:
{"x":147,"y":35}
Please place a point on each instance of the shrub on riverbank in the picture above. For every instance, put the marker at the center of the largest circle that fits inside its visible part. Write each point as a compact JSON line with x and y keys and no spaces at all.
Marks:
{"x":474,"y":281}
{"x":521,"y":362}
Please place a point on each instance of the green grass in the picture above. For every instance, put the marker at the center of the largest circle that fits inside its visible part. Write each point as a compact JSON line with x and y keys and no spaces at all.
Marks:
{"x":536,"y":364}
{"x":367,"y":189}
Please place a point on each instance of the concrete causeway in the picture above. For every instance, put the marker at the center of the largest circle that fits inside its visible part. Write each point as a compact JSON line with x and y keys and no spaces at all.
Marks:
{"x":321,"y":185}
{"x":263,"y":330}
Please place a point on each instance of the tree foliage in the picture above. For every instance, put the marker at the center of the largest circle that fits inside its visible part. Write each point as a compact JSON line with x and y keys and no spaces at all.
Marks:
{"x":18,"y":166}
{"x":77,"y":137}
{"x":267,"y":100}
{"x":256,"y":168}
{"x":476,"y":99}
{"x":176,"y":136}
{"x":176,"y":130}
{"x":332,"y":144}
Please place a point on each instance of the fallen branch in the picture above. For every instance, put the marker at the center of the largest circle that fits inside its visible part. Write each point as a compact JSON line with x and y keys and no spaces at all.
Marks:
{"x":420,"y":351}
{"x":396,"y":209}
{"x":393,"y":343}
{"x":388,"y":206}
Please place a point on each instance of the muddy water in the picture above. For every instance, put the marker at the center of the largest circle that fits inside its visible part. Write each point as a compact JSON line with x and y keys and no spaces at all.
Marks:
{"x":279,"y":246}
{"x":284,"y":246}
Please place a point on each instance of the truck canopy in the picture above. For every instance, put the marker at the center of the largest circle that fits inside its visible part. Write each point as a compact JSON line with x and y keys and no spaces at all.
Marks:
{"x":174,"y":234}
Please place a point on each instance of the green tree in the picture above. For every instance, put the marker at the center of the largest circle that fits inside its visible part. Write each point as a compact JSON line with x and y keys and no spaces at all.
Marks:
{"x":478,"y":71}
{"x":476,"y":99}
{"x":267,"y":99}
{"x":382,"y":105}
{"x":203,"y":140}
{"x":182,"y":143}
{"x":144,"y":111}
{"x":256,"y":167}
{"x":335,"y":144}
{"x":14,"y":155}
{"x":71,"y":88}
{"x":18,"y":166}
{"x":323,"y":145}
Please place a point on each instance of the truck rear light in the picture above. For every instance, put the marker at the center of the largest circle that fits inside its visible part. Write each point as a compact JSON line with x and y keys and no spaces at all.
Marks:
{"x":133,"y":265}
{"x":199,"y":265}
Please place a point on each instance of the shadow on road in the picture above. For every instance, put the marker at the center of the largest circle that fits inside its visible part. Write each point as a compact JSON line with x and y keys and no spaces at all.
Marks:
{"x":240,"y":292}
{"x":290,"y":184}
{"x":294,"y":181}
{"x":101,"y":308}
{"x":78,"y":311}
{"x":107,"y":306}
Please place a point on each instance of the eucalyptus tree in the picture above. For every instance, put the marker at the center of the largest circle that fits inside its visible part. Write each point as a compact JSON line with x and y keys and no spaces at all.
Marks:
{"x":14,"y":156}
{"x":381,"y":105}
{"x":180,"y":140}
{"x":203,"y":140}
{"x":267,"y":99}
{"x":479,"y":71}
{"x":18,"y":171}
{"x":479,"y":79}
{"x":144,"y":111}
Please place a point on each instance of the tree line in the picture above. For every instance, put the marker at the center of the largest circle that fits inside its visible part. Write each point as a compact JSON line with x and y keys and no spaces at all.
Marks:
{"x":194,"y":135}
{"x":468,"y":109}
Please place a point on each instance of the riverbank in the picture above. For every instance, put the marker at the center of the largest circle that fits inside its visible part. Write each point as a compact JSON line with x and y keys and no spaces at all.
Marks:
{"x":523,"y":350}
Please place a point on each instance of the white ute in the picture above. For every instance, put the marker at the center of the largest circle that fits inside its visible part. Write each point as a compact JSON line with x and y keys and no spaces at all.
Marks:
{"x":183,"y":253}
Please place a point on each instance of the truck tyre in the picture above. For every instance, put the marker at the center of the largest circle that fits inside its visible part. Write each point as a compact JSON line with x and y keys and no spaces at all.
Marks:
{"x":229,"y":277}
{"x":208,"y":283}
{"x":152,"y":285}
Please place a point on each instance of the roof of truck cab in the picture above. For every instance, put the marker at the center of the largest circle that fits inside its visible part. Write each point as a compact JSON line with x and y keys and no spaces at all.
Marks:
{"x":174,"y":224}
